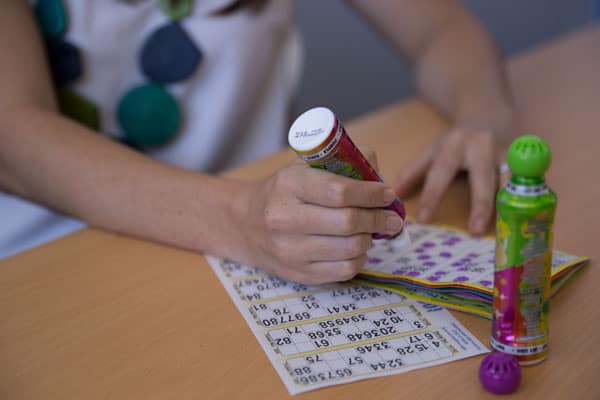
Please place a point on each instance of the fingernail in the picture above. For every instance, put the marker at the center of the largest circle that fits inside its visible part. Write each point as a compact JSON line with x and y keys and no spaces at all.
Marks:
{"x":389,"y":195}
{"x":393,"y":223}
{"x":424,"y":214}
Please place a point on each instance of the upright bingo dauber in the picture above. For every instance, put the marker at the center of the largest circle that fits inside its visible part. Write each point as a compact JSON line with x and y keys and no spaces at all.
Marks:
{"x":525,"y":215}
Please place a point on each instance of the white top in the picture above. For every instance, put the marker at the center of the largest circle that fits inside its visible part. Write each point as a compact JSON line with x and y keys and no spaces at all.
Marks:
{"x":311,"y":129}
{"x":235,"y":107}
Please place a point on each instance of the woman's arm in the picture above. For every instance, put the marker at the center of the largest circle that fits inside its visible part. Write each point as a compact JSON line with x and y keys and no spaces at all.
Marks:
{"x":282,"y":223}
{"x":459,"y":70}
{"x":54,"y":161}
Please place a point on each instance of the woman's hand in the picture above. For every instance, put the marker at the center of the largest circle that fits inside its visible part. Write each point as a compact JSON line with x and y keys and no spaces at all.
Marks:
{"x":312,"y":226}
{"x":478,"y":152}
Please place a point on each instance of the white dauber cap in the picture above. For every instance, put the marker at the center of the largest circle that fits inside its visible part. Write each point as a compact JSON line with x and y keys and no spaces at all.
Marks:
{"x":311,"y":129}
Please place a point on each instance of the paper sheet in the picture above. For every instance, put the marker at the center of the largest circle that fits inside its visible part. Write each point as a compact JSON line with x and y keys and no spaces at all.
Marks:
{"x":318,"y":336}
{"x":448,"y":267}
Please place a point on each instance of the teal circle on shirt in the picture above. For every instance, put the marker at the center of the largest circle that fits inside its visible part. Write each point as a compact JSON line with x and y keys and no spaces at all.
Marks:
{"x":148,"y":115}
{"x":52,"y":17}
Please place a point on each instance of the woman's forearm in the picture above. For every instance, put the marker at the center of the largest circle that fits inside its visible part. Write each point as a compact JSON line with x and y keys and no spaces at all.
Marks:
{"x":54,"y":161}
{"x":460,"y":71}
{"x":457,"y":66}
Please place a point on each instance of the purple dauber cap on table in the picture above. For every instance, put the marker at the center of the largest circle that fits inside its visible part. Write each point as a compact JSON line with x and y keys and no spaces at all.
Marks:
{"x":500,"y":373}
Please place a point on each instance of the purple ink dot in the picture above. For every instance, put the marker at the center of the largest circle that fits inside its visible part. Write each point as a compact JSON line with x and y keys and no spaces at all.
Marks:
{"x":457,"y":263}
{"x":445,"y":254}
{"x":433,"y":278}
{"x":473,"y":255}
{"x":440,"y":272}
{"x":461,"y":279}
{"x":491,"y":261}
{"x":429,"y":263}
{"x":428,"y":244}
{"x":375,"y":260}
{"x":414,"y":273}
{"x":455,"y":238}
{"x":486,"y":283}
{"x":424,"y":257}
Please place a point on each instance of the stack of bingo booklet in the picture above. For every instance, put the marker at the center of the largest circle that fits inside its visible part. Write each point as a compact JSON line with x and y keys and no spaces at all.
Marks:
{"x":448,"y":267}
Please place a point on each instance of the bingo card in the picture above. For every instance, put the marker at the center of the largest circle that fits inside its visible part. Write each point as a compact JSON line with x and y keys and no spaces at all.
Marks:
{"x":317,"y":336}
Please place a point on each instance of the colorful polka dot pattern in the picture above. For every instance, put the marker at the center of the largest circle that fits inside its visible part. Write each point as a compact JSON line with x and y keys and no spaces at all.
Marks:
{"x":147,"y":113}
{"x":177,"y":9}
{"x":169,"y":55}
{"x":437,"y":256}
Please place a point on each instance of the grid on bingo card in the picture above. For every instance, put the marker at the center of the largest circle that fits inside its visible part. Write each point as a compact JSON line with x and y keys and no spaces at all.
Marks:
{"x":265,"y":287}
{"x":386,"y":297}
{"x":395,"y":317}
{"x":317,"y":335}
{"x":372,"y":355}
{"x":314,"y":307}
{"x":233,"y":269}
{"x":278,"y":312}
{"x":318,"y":303}
{"x":396,"y":352}
{"x":355,"y":297}
{"x":396,"y":344}
{"x":271,"y":313}
{"x":331,"y":362}
{"x":299,"y":336}
{"x":409,"y":358}
{"x":282,"y":343}
{"x":350,"y":358}
{"x":392,"y":353}
{"x":337,"y":360}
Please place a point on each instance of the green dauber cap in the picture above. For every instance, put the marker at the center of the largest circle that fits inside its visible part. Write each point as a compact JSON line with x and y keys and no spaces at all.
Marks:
{"x":529,"y":157}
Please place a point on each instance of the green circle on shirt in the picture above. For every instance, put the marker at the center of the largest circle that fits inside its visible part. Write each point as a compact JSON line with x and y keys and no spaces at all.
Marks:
{"x":148,"y":115}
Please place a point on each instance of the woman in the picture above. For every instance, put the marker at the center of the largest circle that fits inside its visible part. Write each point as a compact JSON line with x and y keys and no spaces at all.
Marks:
{"x":195,"y":88}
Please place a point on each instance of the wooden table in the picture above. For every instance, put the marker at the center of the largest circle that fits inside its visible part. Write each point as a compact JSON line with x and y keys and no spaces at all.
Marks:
{"x":98,"y":315}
